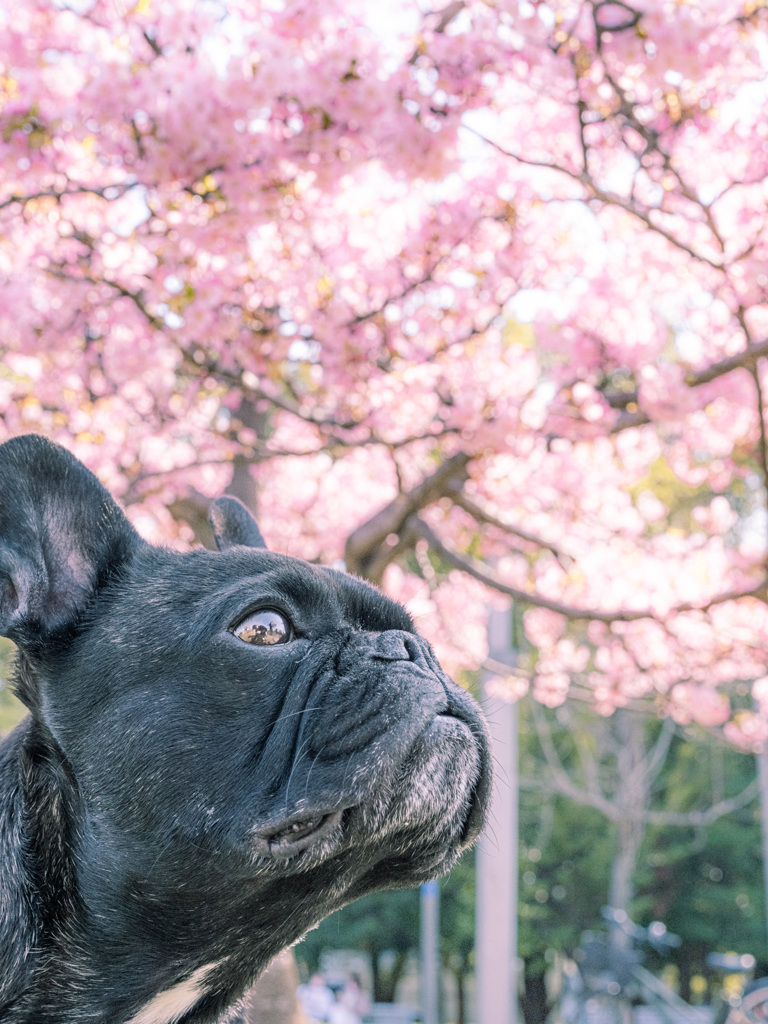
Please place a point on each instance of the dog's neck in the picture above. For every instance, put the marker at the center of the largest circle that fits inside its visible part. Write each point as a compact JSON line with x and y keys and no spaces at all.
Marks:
{"x":17,"y":917}
{"x":58,"y":973}
{"x":71,"y":958}
{"x":36,"y":836}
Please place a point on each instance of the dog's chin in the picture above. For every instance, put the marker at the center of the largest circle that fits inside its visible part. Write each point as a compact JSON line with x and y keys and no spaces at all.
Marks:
{"x":432,"y":806}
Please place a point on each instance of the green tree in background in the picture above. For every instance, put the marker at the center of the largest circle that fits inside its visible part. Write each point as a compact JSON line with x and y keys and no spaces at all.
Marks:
{"x":565,"y":859}
{"x":383,"y":925}
{"x":566,"y":850}
{"x":670,"y":810}
{"x":618,"y":765}
{"x":457,"y":928}
{"x":706,"y":884}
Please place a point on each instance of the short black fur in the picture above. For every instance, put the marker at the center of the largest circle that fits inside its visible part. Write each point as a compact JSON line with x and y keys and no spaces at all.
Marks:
{"x":181,"y":804}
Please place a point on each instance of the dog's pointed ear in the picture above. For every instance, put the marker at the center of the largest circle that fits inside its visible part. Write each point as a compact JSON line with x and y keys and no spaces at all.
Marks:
{"x":61,"y":538}
{"x":233,"y":524}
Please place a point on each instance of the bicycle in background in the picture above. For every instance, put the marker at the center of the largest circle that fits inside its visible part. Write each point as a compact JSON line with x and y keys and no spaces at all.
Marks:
{"x":608,"y":984}
{"x":748,"y":1006}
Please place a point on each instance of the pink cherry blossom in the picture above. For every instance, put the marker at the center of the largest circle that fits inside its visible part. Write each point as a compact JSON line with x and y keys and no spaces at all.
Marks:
{"x":476,"y":300}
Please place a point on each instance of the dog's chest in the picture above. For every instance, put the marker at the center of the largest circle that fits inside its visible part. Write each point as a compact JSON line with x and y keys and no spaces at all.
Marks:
{"x":170,"y":1006}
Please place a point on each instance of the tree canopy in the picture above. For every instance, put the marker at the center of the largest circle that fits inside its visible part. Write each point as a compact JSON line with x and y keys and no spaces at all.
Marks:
{"x":473,"y":296}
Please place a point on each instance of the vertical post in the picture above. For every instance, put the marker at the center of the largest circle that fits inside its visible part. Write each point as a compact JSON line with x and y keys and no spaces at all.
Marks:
{"x":497,"y":855}
{"x":430,"y":952}
{"x":762,"y":773}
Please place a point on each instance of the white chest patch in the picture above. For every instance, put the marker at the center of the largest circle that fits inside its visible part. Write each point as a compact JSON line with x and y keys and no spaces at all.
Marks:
{"x":167,"y":1007}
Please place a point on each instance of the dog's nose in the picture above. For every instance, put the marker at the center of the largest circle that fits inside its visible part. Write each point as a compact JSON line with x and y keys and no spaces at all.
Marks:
{"x":395,"y":645}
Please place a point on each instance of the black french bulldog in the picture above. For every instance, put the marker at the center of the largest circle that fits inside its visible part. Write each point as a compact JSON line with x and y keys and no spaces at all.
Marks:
{"x":222,"y":749}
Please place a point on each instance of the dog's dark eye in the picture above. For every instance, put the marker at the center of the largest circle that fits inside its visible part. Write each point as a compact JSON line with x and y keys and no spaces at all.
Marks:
{"x":263,"y":628}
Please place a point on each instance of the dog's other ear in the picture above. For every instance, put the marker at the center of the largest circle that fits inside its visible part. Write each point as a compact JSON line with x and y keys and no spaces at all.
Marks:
{"x":61,"y":537}
{"x":233,"y":524}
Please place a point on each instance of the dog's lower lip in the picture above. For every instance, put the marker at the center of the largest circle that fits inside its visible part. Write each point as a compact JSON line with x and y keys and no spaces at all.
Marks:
{"x":289,"y":836}
{"x":299,"y":829}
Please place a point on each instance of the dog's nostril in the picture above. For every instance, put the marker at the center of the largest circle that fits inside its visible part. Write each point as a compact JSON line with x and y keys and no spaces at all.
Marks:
{"x":394,"y":645}
{"x":412,"y":647}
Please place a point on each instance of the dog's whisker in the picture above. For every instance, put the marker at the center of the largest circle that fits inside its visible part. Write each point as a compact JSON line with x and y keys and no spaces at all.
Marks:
{"x":293,"y":714}
{"x":296,"y":760}
{"x":309,"y":773}
{"x":346,"y":769}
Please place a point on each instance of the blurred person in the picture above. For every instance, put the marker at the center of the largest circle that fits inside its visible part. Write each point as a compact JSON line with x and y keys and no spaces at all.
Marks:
{"x":317,"y":999}
{"x":352,"y":1003}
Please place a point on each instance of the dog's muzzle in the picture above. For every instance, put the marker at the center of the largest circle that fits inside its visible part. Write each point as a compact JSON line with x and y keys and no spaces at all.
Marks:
{"x":386,"y":746}
{"x":424,"y":790}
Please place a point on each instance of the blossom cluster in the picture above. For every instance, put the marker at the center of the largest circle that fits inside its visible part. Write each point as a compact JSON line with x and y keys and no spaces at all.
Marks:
{"x":530,"y":236}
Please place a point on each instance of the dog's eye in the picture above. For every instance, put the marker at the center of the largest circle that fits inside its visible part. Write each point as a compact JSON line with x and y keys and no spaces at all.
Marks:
{"x":263,"y":628}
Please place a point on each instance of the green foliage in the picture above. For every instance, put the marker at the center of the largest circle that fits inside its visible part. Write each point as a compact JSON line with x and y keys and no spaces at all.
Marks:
{"x":566,"y":848}
{"x":11,"y":710}
{"x":565,"y":859}
{"x":457,"y":917}
{"x":379,"y":924}
{"x":457,"y":927}
{"x":706,"y":884}
{"x":679,"y":497}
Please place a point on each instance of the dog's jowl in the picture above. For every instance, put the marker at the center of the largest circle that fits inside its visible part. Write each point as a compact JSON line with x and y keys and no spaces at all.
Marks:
{"x":222,"y":748}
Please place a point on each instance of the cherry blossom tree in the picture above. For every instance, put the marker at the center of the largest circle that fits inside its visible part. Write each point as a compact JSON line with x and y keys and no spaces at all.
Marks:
{"x":473,"y":298}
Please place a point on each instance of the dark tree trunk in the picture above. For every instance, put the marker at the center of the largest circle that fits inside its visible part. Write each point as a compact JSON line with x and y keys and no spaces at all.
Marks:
{"x":375,"y":978}
{"x":684,"y":976}
{"x":243,"y":484}
{"x":461,"y":995}
{"x":534,"y":1002}
{"x":385,"y":981}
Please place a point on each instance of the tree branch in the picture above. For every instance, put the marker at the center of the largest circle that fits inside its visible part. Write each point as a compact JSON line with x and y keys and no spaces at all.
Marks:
{"x":654,"y":762}
{"x":485,"y":575}
{"x":697,"y":819}
{"x":609,"y":198}
{"x":762,"y":447}
{"x":80,"y":190}
{"x":563,"y":782}
{"x":588,"y":763}
{"x":746,"y":360}
{"x":366,"y":552}
{"x":516,"y":531}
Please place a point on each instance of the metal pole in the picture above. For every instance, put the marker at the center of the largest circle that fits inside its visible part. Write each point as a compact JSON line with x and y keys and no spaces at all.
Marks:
{"x":430,"y":952}
{"x":497,"y":855}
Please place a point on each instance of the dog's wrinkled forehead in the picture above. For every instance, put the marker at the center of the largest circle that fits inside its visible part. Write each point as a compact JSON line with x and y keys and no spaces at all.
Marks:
{"x":330,"y":591}
{"x":213,"y":584}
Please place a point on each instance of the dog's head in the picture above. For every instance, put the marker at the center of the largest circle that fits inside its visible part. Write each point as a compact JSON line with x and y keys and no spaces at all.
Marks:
{"x":251,"y":737}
